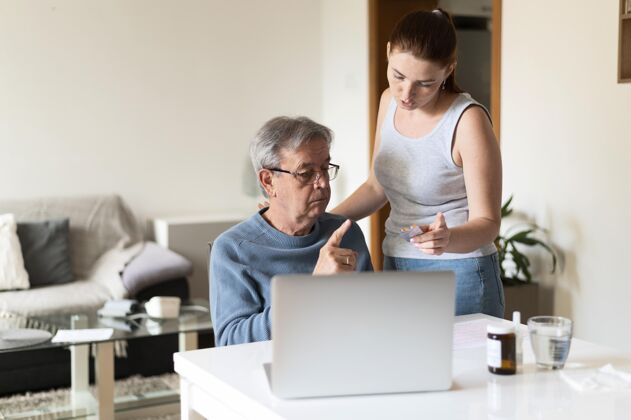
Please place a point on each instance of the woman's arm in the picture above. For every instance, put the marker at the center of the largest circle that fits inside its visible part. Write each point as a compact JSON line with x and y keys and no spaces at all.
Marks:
{"x":369,"y":197}
{"x":366,"y":200}
{"x":477,"y":151}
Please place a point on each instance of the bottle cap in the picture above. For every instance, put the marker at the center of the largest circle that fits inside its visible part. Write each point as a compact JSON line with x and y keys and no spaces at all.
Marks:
{"x":516,"y":317}
{"x":500,"y":329}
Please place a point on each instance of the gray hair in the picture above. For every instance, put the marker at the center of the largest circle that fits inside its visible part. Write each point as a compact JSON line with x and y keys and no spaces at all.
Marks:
{"x":284,"y":133}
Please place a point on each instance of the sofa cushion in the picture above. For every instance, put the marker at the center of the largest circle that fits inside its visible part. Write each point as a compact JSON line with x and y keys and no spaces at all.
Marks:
{"x":153,"y":265}
{"x":12,"y":272}
{"x":46,"y":251}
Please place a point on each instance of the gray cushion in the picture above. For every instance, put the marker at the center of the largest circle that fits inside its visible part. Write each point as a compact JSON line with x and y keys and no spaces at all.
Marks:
{"x":153,"y":265}
{"x":46,"y":251}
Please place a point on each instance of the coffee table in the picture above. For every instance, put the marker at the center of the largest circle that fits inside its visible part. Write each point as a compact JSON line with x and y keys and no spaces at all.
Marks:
{"x":194,"y":317}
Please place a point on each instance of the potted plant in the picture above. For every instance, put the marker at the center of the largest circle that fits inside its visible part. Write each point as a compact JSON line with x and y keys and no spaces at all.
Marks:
{"x":519,"y":290}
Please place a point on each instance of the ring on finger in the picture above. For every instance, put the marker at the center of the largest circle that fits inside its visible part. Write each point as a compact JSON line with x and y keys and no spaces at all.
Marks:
{"x":348,"y":260}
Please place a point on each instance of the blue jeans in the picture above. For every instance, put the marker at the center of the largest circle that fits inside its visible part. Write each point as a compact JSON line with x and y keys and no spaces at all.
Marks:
{"x":478,"y":284}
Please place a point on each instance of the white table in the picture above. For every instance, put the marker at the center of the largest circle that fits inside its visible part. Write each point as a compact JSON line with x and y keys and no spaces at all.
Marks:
{"x":230,"y":383}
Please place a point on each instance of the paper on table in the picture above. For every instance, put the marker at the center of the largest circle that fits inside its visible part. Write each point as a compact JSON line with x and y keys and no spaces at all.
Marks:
{"x":470,"y":334}
{"x":607,"y":378}
{"x":80,"y":336}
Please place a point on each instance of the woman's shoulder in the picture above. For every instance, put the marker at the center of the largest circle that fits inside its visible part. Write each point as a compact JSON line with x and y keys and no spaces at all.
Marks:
{"x":386,"y":97}
{"x":474,"y":114}
{"x":470,"y":107}
{"x":475,"y":126}
{"x":384,"y":104}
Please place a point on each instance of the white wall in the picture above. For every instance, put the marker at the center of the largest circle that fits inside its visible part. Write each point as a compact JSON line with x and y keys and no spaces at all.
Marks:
{"x":345,"y":93}
{"x":153,"y":99}
{"x":566,"y":142}
{"x":157,"y":100}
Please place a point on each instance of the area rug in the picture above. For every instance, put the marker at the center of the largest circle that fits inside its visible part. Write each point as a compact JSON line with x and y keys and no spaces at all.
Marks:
{"x":48,"y":404}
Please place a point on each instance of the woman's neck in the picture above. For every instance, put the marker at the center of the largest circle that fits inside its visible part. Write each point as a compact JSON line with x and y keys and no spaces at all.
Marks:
{"x":437,"y":106}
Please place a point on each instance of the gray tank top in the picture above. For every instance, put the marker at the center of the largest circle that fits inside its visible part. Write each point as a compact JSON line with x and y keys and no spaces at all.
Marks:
{"x":420,"y":179}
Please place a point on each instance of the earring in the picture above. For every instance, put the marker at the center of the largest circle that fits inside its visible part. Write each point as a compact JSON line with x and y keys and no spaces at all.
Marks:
{"x":443,"y":86}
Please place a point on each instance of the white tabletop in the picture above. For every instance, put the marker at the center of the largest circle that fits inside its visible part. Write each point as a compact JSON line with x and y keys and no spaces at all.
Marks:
{"x":234,"y":375}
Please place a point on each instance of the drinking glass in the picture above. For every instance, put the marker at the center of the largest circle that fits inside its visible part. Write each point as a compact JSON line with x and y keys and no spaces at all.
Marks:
{"x":550,"y":337}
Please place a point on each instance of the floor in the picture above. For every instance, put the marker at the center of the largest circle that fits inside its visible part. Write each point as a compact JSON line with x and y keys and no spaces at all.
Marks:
{"x":150,"y":398}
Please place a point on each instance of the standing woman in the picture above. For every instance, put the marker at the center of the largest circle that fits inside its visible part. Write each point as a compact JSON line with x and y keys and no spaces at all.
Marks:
{"x":437,"y":162}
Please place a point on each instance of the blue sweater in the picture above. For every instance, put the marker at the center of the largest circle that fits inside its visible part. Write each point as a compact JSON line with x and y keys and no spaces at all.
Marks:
{"x":246,"y":257}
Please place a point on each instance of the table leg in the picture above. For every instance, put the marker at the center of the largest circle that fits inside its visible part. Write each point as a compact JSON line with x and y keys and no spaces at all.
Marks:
{"x":186,"y":409}
{"x":79,"y":375}
{"x":187,"y":341}
{"x":79,"y":369}
{"x":105,"y":379}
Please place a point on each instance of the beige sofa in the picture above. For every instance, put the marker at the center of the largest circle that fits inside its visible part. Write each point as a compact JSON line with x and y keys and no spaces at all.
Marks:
{"x":104,"y":238}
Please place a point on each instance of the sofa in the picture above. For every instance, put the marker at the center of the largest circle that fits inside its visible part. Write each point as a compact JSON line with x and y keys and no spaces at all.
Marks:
{"x":77,"y":253}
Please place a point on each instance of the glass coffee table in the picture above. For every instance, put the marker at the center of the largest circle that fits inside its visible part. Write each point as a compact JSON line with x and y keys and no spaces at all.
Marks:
{"x":194,"y":317}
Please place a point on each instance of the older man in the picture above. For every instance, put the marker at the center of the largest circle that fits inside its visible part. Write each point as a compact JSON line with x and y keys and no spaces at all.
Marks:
{"x":292,"y":235}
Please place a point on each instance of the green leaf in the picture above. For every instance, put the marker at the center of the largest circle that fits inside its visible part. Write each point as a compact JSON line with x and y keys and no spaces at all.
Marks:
{"x":534,"y":241}
{"x":506,"y":210}
{"x":507,"y":250}
{"x":521,"y":235}
{"x":527,"y":241}
{"x":522,"y":264}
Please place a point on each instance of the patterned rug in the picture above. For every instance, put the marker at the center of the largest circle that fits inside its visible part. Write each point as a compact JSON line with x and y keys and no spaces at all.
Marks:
{"x":55,"y":404}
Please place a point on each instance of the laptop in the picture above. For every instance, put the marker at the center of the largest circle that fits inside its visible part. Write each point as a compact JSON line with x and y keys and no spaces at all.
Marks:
{"x":361,"y":333}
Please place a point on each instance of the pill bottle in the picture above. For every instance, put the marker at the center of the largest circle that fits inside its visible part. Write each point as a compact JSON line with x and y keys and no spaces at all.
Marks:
{"x":500,"y":349}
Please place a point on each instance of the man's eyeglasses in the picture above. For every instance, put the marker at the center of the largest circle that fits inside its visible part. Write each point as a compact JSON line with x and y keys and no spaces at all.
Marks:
{"x":312,"y":176}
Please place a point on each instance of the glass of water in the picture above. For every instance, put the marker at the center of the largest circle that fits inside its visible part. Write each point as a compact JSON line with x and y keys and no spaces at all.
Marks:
{"x":550,"y":337}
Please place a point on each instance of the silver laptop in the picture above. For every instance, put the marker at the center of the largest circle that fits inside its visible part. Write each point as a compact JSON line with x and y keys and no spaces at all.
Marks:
{"x":361,"y":333}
